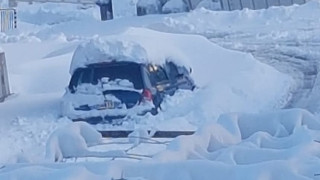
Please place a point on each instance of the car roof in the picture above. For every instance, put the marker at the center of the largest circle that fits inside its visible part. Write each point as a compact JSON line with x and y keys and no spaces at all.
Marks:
{"x":112,"y":63}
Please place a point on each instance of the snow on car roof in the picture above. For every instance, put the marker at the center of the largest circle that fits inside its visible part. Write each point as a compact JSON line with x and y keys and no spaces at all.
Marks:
{"x":136,"y":44}
{"x":99,"y":50}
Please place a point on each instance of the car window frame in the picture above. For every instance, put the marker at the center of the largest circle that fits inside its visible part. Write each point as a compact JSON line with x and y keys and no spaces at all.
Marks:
{"x":155,"y":82}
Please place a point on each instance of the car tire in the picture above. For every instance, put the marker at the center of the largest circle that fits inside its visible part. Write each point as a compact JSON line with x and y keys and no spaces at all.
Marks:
{"x":154,"y":111}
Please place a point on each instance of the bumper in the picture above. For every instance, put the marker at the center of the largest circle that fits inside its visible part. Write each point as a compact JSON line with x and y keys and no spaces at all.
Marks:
{"x":103,"y":120}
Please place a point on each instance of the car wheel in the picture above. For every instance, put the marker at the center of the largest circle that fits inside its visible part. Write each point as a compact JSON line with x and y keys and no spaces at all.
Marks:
{"x":154,"y":111}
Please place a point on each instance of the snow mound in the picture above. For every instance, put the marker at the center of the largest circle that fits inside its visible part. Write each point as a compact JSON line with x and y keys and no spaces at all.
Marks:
{"x":71,"y":141}
{"x":276,"y":145}
{"x":55,"y":13}
{"x":239,"y":139}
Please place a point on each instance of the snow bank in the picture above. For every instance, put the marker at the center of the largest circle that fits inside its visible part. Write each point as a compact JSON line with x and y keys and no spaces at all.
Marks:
{"x":277,"y":145}
{"x":250,"y":138}
{"x":55,"y":13}
{"x":277,"y":22}
{"x":42,"y":172}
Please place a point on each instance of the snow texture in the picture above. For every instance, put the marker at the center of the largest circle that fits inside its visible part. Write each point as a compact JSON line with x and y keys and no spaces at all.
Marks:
{"x":260,"y":142}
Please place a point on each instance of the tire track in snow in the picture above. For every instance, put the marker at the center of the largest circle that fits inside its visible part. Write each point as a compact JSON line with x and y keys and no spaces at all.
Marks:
{"x":294,"y":57}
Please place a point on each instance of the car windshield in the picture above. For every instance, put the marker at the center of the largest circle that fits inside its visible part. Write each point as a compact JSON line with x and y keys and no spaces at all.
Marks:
{"x":130,"y":72}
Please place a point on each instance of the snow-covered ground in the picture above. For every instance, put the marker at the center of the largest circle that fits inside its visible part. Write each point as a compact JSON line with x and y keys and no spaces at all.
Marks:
{"x":256,"y":141}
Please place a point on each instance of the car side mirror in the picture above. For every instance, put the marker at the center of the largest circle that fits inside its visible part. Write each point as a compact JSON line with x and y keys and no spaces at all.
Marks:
{"x":190,"y":70}
{"x":180,"y":76}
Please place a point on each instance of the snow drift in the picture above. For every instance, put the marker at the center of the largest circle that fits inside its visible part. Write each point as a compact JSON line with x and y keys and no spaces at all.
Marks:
{"x":276,"y":145}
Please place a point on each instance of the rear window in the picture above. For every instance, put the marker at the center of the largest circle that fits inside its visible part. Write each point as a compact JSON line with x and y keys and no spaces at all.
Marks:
{"x":130,"y":72}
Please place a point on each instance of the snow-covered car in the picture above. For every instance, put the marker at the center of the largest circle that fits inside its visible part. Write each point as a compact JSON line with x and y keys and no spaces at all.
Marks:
{"x":113,"y":91}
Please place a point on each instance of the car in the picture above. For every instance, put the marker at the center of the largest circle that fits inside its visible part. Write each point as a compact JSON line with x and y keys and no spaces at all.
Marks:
{"x":113,"y":91}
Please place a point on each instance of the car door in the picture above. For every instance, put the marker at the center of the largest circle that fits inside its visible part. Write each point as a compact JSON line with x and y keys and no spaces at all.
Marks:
{"x":160,"y":80}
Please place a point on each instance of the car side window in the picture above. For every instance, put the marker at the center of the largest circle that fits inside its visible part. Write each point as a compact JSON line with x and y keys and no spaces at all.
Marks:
{"x":86,"y":76}
{"x":172,"y":70}
{"x":74,"y":80}
{"x":157,"y":74}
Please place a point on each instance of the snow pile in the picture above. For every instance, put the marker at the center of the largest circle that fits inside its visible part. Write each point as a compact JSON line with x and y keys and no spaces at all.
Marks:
{"x":71,"y":141}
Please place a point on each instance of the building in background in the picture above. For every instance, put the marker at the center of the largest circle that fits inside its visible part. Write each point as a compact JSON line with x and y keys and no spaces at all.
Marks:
{"x":8,"y":19}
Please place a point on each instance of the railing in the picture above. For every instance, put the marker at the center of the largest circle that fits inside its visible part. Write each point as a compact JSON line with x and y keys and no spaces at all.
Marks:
{"x":8,"y":19}
{"x":13,"y":3}
{"x":256,"y":4}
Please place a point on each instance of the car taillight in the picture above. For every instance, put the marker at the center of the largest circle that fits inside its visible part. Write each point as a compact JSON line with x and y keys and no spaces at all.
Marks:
{"x":147,"y":95}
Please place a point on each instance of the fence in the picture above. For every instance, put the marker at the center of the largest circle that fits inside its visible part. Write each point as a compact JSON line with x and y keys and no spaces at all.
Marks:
{"x":256,"y":4}
{"x":8,"y":19}
{"x":4,"y":82}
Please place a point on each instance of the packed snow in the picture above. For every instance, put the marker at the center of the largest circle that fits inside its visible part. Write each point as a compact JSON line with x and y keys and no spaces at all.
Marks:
{"x":242,"y":132}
